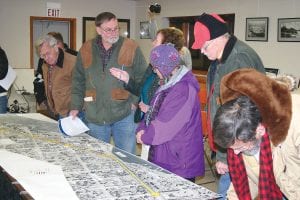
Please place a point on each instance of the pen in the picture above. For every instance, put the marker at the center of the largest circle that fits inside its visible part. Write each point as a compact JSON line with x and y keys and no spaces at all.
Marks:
{"x":122,"y":68}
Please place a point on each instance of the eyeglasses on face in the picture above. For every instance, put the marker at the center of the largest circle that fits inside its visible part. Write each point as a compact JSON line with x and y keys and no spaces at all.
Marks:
{"x":45,"y":55}
{"x":110,"y":31}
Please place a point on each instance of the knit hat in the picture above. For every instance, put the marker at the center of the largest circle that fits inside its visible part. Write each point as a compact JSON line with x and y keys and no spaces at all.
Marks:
{"x":273,"y":99}
{"x":165,"y":58}
{"x":208,"y":27}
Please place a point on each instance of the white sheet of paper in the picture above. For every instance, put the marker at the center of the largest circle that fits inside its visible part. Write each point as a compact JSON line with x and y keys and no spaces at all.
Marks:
{"x":145,"y":151}
{"x":42,"y":180}
{"x":9,"y":78}
{"x":71,"y":126}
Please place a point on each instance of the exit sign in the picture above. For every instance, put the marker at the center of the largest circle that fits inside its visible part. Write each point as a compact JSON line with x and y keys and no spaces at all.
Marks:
{"x":53,"y":12}
{"x":53,"y":9}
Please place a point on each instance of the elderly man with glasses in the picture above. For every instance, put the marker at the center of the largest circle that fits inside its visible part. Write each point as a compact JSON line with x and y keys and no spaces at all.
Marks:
{"x":227,"y":54}
{"x":109,"y":109}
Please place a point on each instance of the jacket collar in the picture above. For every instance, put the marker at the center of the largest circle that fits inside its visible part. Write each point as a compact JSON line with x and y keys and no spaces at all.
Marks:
{"x":60,"y":59}
{"x":228,"y":48}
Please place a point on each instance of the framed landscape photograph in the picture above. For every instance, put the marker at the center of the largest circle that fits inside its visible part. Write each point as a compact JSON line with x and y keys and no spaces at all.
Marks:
{"x":288,"y":30}
{"x":273,"y":72}
{"x":257,"y":29}
{"x":89,"y":28}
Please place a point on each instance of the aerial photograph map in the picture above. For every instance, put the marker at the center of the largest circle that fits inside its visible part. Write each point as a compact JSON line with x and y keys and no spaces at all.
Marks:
{"x":92,"y":169}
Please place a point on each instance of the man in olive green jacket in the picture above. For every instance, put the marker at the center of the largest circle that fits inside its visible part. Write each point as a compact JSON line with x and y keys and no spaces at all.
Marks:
{"x":108,"y":107}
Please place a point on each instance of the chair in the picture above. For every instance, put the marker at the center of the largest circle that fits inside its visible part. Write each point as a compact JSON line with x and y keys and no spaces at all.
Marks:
{"x":203,"y":100}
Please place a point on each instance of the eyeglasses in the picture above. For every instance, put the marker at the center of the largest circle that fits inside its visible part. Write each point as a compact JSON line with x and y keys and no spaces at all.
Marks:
{"x":110,"y":31}
{"x":45,"y":55}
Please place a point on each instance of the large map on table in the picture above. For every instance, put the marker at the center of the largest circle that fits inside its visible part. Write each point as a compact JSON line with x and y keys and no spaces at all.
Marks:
{"x":94,"y":169}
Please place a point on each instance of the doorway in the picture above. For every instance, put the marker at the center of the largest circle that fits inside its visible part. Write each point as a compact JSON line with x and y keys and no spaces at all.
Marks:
{"x":40,"y":26}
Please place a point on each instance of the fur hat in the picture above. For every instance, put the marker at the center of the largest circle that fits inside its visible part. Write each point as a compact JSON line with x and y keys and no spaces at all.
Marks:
{"x":165,"y":58}
{"x":289,"y":80}
{"x":272,"y":99}
{"x":208,"y":27}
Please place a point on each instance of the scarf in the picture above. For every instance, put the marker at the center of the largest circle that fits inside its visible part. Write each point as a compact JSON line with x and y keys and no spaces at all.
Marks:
{"x":267,"y":187}
{"x":162,"y":92}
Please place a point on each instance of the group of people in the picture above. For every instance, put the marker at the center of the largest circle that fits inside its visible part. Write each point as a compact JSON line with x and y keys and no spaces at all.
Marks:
{"x":110,"y":82}
{"x":251,"y":118}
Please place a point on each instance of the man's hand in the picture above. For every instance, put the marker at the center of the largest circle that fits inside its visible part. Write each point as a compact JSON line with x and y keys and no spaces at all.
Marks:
{"x":73,"y":113}
{"x":119,"y":74}
{"x":221,"y":167}
{"x":139,"y":136}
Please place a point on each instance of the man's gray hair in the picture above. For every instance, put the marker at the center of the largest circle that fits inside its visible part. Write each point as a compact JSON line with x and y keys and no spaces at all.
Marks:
{"x":46,"y":38}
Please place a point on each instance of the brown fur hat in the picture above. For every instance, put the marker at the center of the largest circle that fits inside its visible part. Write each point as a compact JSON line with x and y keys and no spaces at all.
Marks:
{"x":272,"y":99}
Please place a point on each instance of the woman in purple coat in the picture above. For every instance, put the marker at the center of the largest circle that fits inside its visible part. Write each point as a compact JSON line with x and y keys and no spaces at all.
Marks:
{"x":172,"y":125}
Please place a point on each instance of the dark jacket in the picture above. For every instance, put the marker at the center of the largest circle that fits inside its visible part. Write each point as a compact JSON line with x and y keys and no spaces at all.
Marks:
{"x":236,"y":55}
{"x":3,"y":67}
{"x":145,"y":90}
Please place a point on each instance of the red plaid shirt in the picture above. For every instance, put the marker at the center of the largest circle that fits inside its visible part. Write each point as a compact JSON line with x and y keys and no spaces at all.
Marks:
{"x":267,"y":187}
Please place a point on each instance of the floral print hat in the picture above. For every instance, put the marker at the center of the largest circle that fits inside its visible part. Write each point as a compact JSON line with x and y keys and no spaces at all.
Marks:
{"x":165,"y":58}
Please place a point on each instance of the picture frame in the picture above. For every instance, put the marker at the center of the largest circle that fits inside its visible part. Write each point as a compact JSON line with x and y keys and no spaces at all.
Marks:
{"x":145,"y":30}
{"x":257,"y":29}
{"x":89,"y":28}
{"x":271,"y":71}
{"x":288,"y":30}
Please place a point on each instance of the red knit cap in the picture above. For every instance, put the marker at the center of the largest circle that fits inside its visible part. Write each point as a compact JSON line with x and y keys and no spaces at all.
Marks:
{"x":208,"y":27}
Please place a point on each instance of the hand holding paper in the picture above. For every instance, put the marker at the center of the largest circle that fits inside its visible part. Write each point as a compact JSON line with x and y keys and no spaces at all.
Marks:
{"x":72,"y":127}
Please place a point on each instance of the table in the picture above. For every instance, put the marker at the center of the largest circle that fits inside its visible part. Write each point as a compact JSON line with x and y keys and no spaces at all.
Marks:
{"x":94,"y":169}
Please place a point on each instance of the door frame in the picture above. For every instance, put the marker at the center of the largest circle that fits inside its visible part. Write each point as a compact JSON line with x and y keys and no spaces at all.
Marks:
{"x":72,"y":32}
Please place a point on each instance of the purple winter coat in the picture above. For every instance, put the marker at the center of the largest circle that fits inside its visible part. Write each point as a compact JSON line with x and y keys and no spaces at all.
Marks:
{"x":175,"y":135}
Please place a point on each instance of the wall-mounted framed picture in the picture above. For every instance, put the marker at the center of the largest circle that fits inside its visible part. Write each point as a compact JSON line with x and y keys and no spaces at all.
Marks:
{"x":288,"y":30}
{"x":273,"y":72}
{"x":257,"y":29}
{"x":89,"y":28}
{"x":145,"y":30}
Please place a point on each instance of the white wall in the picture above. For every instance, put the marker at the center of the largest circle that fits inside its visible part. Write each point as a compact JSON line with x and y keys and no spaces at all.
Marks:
{"x":282,"y":55}
{"x":15,"y":30}
{"x":15,"y":23}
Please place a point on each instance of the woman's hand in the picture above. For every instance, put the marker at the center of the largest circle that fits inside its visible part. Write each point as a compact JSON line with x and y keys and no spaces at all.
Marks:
{"x":144,"y":107}
{"x":139,"y":136}
{"x":119,"y":74}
